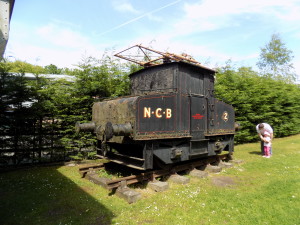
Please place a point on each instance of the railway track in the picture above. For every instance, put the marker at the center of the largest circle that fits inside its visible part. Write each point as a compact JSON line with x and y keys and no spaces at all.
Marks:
{"x":110,"y":184}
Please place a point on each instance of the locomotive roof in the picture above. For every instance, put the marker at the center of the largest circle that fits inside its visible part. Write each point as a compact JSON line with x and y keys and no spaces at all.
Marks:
{"x":179,"y":64}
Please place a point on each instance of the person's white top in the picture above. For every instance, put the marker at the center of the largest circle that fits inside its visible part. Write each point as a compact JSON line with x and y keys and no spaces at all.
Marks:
{"x":267,"y":128}
{"x":267,"y":138}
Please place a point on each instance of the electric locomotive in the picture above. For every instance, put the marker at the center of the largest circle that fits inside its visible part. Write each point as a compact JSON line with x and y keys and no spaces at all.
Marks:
{"x":170,"y":117}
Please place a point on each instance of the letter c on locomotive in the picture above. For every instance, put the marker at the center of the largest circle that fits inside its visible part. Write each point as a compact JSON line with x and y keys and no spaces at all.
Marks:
{"x":158,"y":113}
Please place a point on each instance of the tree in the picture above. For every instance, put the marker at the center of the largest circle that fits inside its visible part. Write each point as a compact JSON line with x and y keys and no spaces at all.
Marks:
{"x":19,"y":66}
{"x":14,"y":113}
{"x":95,"y":79}
{"x":275,"y":60}
{"x":52,"y":69}
{"x":102,"y":78}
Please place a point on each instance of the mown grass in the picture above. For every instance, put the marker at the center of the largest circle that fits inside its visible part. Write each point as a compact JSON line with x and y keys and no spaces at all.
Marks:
{"x":265,"y":191}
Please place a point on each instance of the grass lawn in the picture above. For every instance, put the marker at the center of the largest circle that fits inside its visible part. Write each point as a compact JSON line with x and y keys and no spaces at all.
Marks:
{"x":262,"y":191}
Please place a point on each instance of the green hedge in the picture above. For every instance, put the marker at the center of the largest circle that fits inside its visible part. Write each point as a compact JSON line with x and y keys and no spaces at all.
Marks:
{"x":259,"y":99}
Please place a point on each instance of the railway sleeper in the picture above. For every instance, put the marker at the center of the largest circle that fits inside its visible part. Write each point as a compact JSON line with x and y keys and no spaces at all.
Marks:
{"x":83,"y":170}
{"x":197,"y":168}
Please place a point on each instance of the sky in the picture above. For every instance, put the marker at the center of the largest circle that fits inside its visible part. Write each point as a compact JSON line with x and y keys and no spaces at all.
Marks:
{"x":64,"y":32}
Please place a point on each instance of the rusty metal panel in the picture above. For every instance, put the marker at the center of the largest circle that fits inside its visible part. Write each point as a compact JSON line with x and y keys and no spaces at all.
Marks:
{"x":160,"y":78}
{"x":222,"y":119}
{"x":117,"y":111}
{"x":159,"y":117}
{"x":193,"y":79}
{"x":157,"y":114}
{"x":198,"y":117}
{"x":184,"y":120}
{"x":173,"y":77}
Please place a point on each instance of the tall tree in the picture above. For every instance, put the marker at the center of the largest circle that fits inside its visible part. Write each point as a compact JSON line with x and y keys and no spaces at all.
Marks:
{"x":14,"y":111}
{"x":276,"y":60}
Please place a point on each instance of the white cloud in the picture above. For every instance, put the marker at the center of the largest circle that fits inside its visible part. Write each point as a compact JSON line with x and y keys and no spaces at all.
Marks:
{"x":210,"y":15}
{"x":153,"y":17}
{"x":43,"y":56}
{"x":52,"y":44}
{"x":62,"y":44}
{"x":214,"y":14}
{"x":62,"y":37}
{"x":124,"y":6}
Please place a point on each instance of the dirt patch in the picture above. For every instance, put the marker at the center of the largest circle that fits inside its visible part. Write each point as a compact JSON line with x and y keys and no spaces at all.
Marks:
{"x":223,"y":181}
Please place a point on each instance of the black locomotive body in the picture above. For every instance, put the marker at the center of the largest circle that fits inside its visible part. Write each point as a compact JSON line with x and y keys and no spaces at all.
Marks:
{"x":170,"y":117}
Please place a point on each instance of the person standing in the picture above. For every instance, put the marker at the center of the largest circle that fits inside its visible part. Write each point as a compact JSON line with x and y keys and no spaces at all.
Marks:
{"x":267,"y":144}
{"x":261,"y":128}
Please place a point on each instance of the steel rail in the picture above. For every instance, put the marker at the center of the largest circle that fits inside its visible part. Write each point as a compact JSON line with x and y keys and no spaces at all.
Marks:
{"x":151,"y":175}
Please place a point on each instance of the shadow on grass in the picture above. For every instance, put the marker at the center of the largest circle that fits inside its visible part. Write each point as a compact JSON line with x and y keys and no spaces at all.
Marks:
{"x":45,"y":196}
{"x":255,"y":153}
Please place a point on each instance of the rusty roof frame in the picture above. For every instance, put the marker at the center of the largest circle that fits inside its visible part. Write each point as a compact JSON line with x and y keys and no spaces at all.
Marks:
{"x":153,"y":61}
